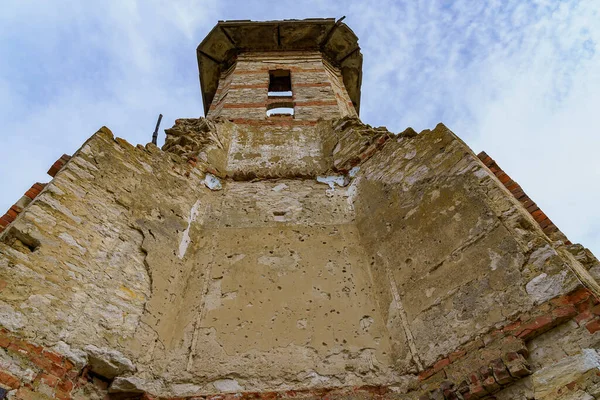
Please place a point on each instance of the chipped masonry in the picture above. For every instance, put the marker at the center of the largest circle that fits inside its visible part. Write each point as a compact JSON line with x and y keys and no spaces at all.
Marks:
{"x":309,"y":256}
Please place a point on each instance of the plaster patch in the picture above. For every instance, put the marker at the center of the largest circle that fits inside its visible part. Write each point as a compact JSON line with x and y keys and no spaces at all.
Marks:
{"x":545,"y":287}
{"x":353,"y":172}
{"x":227,"y":385}
{"x":212,"y":182}
{"x":332,"y":180}
{"x":185,"y":238}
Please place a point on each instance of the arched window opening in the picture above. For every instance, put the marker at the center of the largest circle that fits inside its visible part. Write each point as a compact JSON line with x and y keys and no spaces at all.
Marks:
{"x":280,"y":111}
{"x":280,"y":108}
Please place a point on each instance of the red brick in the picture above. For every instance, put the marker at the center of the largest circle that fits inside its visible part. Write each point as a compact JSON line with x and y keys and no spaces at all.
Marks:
{"x":532,"y":208}
{"x":4,"y":221}
{"x":593,"y":326}
{"x":244,"y":105}
{"x":312,"y":84}
{"x":4,"y":341}
{"x":513,"y":186}
{"x":32,"y":348}
{"x":565,"y":312}
{"x":68,"y":365}
{"x":512,"y":327}
{"x":595,"y":310}
{"x":527,"y":202}
{"x":65,"y":385}
{"x":550,"y":229}
{"x":55,"y":358}
{"x":57,"y":370}
{"x":38,"y":186}
{"x":62,"y":395}
{"x":536,"y":327}
{"x":575,"y":297}
{"x":500,"y":372}
{"x":12,"y":213}
{"x":583,"y":317}
{"x":456,"y":355}
{"x":426,"y":374}
{"x":441,"y":364}
{"x":538,"y":213}
{"x":8,"y":217}
{"x":43,"y":363}
{"x":49,"y":380}
{"x":490,"y":384}
{"x":9,"y":380}
{"x":503,"y":178}
{"x":487,"y":161}
{"x":544,"y":223}
{"x":477,"y":391}
{"x":31,"y":194}
{"x":519,"y":194}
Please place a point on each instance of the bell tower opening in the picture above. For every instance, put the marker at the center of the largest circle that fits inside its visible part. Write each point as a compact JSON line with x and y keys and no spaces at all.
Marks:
{"x":280,"y":93}
{"x":280,"y":83}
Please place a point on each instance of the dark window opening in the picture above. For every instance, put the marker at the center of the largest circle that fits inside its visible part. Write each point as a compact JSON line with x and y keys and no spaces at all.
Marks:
{"x":280,"y":83}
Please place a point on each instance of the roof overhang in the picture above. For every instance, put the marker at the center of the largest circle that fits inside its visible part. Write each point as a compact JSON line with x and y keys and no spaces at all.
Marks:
{"x":335,"y":40}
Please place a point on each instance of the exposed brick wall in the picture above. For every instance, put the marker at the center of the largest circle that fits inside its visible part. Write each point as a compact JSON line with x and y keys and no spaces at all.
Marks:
{"x":51,"y":373}
{"x":495,"y":373}
{"x":31,"y":194}
{"x":317,"y":88}
{"x":542,"y":219}
{"x":16,"y":209}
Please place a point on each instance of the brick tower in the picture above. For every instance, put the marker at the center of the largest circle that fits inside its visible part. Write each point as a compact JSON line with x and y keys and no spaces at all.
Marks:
{"x":281,"y":248}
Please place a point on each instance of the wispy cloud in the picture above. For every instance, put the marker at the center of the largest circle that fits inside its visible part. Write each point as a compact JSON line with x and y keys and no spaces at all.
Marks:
{"x":520,"y":79}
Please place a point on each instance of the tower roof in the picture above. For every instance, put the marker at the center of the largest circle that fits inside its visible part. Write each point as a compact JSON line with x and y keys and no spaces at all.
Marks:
{"x":335,"y":40}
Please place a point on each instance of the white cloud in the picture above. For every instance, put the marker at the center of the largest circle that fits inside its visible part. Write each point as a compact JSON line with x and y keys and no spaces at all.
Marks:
{"x":518,"y":79}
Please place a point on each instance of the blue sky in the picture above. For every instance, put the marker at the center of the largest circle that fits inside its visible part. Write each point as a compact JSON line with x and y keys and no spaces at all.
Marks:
{"x":518,"y":79}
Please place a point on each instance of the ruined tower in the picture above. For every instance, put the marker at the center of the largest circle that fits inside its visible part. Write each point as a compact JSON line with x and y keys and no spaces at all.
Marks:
{"x":281,"y":248}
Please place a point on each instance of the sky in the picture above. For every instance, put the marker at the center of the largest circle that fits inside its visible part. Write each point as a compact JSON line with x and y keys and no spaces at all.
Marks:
{"x":519,"y":79}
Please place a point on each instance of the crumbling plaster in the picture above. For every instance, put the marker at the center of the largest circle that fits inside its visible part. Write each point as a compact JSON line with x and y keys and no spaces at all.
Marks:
{"x":276,"y":284}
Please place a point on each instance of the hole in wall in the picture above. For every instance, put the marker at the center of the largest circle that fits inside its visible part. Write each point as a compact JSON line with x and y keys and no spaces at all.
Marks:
{"x":20,"y":241}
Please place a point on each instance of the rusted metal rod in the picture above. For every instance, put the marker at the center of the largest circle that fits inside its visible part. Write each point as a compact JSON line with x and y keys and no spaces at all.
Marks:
{"x":155,"y":134}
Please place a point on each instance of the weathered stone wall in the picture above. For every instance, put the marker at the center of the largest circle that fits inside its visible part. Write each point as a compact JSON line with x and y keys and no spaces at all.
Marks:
{"x":455,"y":256}
{"x":384,"y":267}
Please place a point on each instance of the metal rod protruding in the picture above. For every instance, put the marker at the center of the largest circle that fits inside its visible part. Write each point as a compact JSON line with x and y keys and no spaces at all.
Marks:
{"x":155,"y":134}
